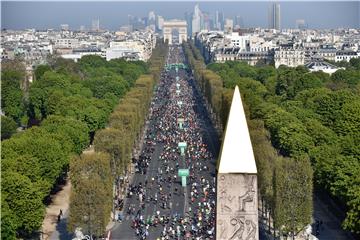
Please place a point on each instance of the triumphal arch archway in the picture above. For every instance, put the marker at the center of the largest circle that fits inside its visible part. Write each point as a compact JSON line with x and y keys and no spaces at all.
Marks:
{"x":170,"y":26}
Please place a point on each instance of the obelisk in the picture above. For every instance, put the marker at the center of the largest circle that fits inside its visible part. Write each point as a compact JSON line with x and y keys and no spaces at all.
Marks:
{"x":237,"y":203}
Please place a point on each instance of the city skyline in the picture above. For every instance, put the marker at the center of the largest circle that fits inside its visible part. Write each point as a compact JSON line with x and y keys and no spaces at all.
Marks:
{"x":112,"y":15}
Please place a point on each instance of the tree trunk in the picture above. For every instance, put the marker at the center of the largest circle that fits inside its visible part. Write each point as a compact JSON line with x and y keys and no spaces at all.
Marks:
{"x":269,"y":222}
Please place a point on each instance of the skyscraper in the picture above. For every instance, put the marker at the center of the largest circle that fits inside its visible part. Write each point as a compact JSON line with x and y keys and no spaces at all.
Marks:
{"x":188,"y":19}
{"x":300,"y":24}
{"x":229,"y":25}
{"x":274,"y":16}
{"x":151,"y":21}
{"x":160,"y":23}
{"x":95,"y":26}
{"x":221,"y":20}
{"x":196,"y":21}
{"x":151,"y":17}
{"x":217,"y":21}
{"x":239,"y":23}
{"x":205,"y":21}
{"x":64,"y":27}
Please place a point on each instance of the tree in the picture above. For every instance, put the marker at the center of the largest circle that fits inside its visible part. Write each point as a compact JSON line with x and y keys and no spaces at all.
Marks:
{"x":102,"y":85}
{"x":8,"y":227}
{"x":352,"y":220}
{"x":64,"y":66}
{"x":51,"y":150}
{"x":265,"y":156}
{"x":293,"y":194}
{"x":355,"y":63}
{"x":77,"y":131}
{"x":40,"y":70}
{"x":25,"y":203}
{"x":8,"y":127}
{"x":264,"y":73}
{"x":294,"y":140}
{"x":91,"y":198}
{"x":348,"y":119}
{"x":12,"y":103}
{"x":113,"y":142}
{"x":345,"y":78}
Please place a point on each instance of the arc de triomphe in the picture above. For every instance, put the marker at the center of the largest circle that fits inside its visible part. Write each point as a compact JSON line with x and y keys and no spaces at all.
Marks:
{"x":168,"y":27}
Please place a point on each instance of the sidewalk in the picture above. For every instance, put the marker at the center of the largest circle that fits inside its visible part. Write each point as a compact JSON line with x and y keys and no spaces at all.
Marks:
{"x":123,"y":189}
{"x":50,"y":228}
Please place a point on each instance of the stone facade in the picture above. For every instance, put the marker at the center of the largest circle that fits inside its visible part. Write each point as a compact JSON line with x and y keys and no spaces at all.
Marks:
{"x":237,"y":208}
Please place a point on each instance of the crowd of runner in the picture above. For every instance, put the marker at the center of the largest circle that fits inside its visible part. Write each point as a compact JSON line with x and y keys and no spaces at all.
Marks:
{"x":162,"y":191}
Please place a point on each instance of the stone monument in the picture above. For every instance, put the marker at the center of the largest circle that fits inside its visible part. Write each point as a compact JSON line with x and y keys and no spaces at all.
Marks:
{"x":237,"y":199}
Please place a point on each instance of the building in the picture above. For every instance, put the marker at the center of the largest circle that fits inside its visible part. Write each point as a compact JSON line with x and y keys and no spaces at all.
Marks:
{"x":177,"y":25}
{"x":64,"y":27}
{"x":66,"y":43}
{"x":188,"y":19}
{"x":327,"y":52}
{"x":300,"y":24}
{"x":126,"y":28}
{"x":237,"y":40}
{"x":274,"y":16}
{"x":136,"y":45}
{"x":160,"y":23}
{"x":229,"y":26}
{"x":345,"y":55}
{"x":317,"y":64}
{"x":239,"y":23}
{"x":95,"y":25}
{"x":151,"y":23}
{"x":289,"y":55}
{"x":205,"y":21}
{"x":79,"y":53}
{"x":217,"y":25}
{"x":151,"y":17}
{"x":196,"y":21}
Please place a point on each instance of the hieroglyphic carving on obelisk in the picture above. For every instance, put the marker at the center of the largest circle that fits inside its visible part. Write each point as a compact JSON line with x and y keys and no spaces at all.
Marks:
{"x":237,"y":200}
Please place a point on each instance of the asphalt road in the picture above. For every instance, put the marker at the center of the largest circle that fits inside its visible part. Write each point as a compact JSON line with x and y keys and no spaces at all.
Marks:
{"x":163,"y":108}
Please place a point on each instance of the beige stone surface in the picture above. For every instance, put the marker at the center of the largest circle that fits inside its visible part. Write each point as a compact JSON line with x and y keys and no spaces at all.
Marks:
{"x":59,"y":201}
{"x":237,"y":207}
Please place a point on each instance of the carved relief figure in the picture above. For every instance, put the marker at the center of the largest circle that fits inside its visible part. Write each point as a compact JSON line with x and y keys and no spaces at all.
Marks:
{"x":248,"y":196}
{"x":239,"y":228}
{"x":250,"y":229}
{"x":226,"y":201}
{"x":223,"y":229}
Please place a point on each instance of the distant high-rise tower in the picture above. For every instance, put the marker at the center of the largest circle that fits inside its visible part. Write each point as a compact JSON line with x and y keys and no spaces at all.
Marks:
{"x":188,"y":19}
{"x":64,"y":27}
{"x":152,"y":20}
{"x":221,"y":20}
{"x":239,"y":23}
{"x":95,"y":26}
{"x":274,"y":16}
{"x":300,"y":24}
{"x":196,"y":21}
{"x":205,"y":21}
{"x":159,"y":23}
{"x":229,"y":25}
{"x":151,"y":17}
{"x":217,"y":21}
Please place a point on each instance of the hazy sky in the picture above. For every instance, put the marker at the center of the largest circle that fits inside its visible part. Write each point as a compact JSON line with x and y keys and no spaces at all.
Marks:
{"x":42,"y":15}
